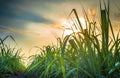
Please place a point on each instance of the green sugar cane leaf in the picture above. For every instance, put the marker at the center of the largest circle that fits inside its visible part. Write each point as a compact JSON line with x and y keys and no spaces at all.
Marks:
{"x":64,"y":43}
{"x":9,"y":36}
{"x":117,"y":65}
{"x":62,"y":60}
{"x":86,"y":72}
{"x":77,"y":17}
{"x":35,"y":65}
{"x":73,"y":70}
{"x":73,"y":44}
{"x":49,"y":66}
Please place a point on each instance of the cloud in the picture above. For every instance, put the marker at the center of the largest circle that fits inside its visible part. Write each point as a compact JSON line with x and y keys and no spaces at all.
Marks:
{"x":11,"y":30}
{"x":19,"y":32}
{"x":32,"y":30}
{"x":34,"y":35}
{"x":26,"y":16}
{"x":11,"y":9}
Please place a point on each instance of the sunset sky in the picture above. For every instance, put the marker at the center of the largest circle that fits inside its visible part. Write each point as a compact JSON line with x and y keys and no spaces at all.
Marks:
{"x":39,"y":22}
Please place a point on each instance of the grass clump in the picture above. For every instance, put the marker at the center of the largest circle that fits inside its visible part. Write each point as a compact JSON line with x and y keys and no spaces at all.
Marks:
{"x":47,"y":64}
{"x":10,"y":61}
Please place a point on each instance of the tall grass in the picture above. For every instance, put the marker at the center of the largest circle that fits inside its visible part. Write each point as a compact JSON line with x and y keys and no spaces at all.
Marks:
{"x":47,"y":64}
{"x":88,"y":53}
{"x":10,"y":61}
{"x":85,"y":54}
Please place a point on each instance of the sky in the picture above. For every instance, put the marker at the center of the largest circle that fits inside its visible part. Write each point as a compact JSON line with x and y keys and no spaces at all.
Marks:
{"x":40,"y":22}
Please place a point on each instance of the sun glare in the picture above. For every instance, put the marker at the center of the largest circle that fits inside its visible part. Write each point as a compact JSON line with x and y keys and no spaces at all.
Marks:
{"x":82,"y":20}
{"x":69,"y":26}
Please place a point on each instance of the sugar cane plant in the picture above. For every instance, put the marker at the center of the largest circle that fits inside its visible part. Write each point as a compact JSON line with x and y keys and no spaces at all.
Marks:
{"x":88,"y":53}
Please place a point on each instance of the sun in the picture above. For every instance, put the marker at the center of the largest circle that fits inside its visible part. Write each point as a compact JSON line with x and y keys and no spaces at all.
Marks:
{"x":69,"y":26}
